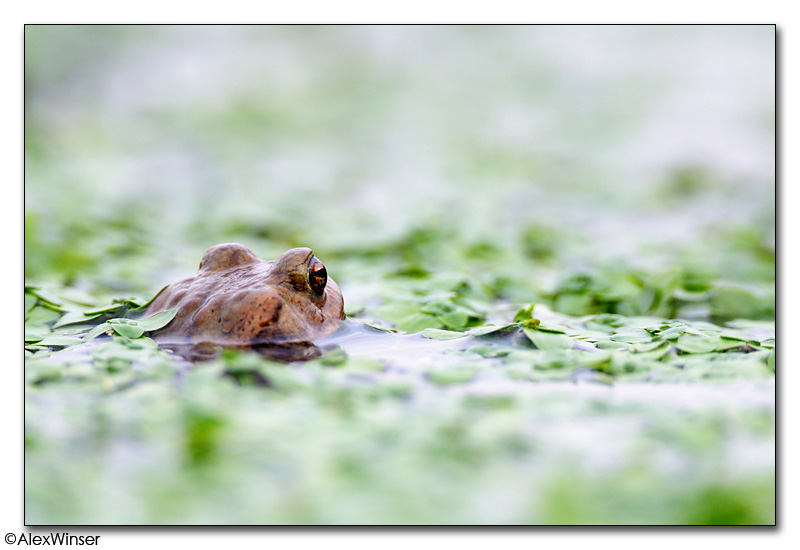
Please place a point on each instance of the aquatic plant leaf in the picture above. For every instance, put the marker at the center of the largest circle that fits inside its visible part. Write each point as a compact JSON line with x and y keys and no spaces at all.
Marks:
{"x":642,"y":347}
{"x":693,"y":343}
{"x":112,"y":309}
{"x":439,"y":334}
{"x":727,"y":342}
{"x":652,"y":353}
{"x":454,"y":319}
{"x":59,"y":340}
{"x":42,"y":315}
{"x":135,"y":306}
{"x":30,"y":302}
{"x":97,"y":331}
{"x":129,"y":329}
{"x":612,"y":345}
{"x":74,"y":317}
{"x":46,"y":298}
{"x":379,"y":327}
{"x":548,"y":340}
{"x":417,"y":322}
{"x":548,"y":327}
{"x":34,"y":333}
{"x":491,"y":329}
{"x":673,"y":332}
{"x":157,"y":321}
{"x":637,"y":336}
{"x":396,"y":312}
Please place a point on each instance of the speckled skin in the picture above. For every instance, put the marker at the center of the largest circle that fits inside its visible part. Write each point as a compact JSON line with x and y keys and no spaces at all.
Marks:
{"x":237,"y":298}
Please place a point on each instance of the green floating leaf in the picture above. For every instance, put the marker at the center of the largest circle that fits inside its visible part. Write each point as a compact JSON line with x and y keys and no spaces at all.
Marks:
{"x":379,"y":327}
{"x":491,"y":329}
{"x":692,"y":343}
{"x":673,"y":332}
{"x":548,"y":341}
{"x":729,"y":342}
{"x":159,"y":320}
{"x":130,"y":303}
{"x":417,"y":322}
{"x":97,"y":331}
{"x":438,"y":334}
{"x":113,"y":309}
{"x":638,"y":336}
{"x":649,"y":346}
{"x":454,"y":319}
{"x":44,"y":297}
{"x":590,"y":335}
{"x":59,"y":340}
{"x":395,"y":313}
{"x":651,"y":353}
{"x":42,"y":315}
{"x":30,"y":302}
{"x":126,"y":327}
{"x":75,"y":317}
{"x":611,"y":345}
{"x":135,"y":303}
{"x":35,"y":333}
{"x":771,"y":361}
{"x":550,"y":328}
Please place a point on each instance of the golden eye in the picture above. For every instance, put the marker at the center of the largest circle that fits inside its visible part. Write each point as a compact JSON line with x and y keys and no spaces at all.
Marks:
{"x":317,"y":276}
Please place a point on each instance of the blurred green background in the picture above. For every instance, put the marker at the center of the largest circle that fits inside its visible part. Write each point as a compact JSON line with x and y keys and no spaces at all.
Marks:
{"x":631,"y":143}
{"x":624,"y":170}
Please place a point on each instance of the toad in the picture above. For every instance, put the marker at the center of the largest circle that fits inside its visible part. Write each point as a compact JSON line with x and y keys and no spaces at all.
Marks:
{"x":239,"y":299}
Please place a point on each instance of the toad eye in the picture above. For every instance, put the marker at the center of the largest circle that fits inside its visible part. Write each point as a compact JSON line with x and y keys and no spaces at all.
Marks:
{"x":317,"y":276}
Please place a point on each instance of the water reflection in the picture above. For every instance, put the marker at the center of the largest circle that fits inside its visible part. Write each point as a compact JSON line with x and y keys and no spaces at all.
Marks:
{"x":284,"y":352}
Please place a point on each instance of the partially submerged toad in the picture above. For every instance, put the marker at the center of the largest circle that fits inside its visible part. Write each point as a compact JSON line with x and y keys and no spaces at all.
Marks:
{"x":239,"y":299}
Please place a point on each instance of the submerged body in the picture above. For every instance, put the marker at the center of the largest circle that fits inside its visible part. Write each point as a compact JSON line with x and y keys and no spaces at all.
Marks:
{"x":239,"y":299}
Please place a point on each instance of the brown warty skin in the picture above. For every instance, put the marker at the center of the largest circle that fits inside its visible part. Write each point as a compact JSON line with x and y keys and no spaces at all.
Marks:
{"x":236,"y":298}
